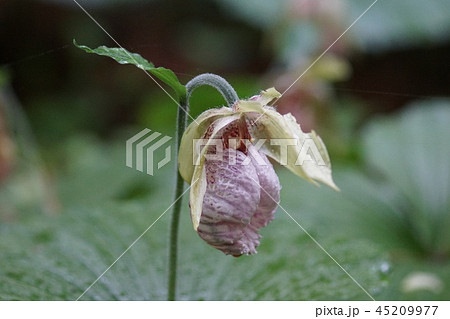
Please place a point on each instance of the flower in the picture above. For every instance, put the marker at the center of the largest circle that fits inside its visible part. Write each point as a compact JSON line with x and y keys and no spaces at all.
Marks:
{"x":234,"y":188}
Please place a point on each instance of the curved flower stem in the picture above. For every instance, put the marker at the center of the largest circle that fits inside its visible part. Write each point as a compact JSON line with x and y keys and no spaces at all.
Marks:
{"x":217,"y":82}
{"x":230,"y":97}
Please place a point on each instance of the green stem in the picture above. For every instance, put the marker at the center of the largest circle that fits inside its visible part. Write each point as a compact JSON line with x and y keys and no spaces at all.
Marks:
{"x":183,"y":110}
{"x":217,"y":82}
{"x":230,"y":97}
{"x":173,"y":254}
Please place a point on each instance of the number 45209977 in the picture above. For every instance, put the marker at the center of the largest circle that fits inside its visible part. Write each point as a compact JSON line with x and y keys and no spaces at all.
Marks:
{"x":406,"y":310}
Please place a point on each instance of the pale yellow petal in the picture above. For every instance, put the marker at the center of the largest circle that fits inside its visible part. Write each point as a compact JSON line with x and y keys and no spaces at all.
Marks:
{"x":197,"y":193}
{"x":198,"y":188}
{"x":249,"y":106}
{"x":194,"y":131}
{"x":270,"y":125}
{"x":321,"y":173}
{"x":267,"y":96}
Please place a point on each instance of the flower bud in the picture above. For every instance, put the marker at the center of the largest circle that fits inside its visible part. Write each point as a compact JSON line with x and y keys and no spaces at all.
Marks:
{"x":239,"y":200}
{"x":235,"y":194}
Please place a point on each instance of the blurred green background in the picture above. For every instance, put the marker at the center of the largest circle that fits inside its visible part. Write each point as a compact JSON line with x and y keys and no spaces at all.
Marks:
{"x":379,"y":98}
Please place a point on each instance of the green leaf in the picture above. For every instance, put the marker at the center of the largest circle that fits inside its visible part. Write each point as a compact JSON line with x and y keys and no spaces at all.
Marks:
{"x":412,"y":153}
{"x":57,"y":258}
{"x":123,"y":56}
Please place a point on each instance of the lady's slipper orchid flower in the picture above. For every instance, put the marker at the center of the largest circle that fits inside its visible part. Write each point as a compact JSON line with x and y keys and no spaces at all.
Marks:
{"x":234,"y":188}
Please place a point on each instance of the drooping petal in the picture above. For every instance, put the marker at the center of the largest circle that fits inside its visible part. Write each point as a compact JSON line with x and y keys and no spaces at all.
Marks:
{"x":198,"y":176}
{"x":231,"y":198}
{"x":194,"y":131}
{"x":268,"y":124}
{"x":266,"y":96}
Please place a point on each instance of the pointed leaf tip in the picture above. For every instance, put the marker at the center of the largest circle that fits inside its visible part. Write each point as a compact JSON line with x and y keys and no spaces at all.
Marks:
{"x":123,"y":56}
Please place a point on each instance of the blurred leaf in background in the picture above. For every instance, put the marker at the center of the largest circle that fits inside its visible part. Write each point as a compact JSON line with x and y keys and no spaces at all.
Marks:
{"x":389,"y":227}
{"x":73,"y":250}
{"x":7,"y":148}
{"x":390,"y":24}
{"x":412,"y":154}
{"x":397,"y":24}
{"x":58,"y":258}
{"x":399,"y":198}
